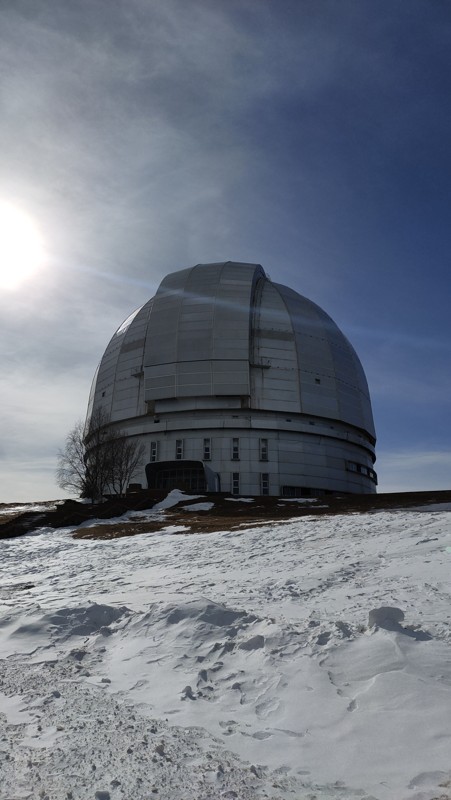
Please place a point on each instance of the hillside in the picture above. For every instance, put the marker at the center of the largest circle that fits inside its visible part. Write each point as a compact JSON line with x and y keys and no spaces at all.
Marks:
{"x":217,"y":511}
{"x":295,"y":652}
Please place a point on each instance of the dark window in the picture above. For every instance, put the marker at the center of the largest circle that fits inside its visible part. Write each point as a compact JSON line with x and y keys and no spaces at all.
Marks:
{"x":235,"y":449}
{"x":264,"y":483}
{"x":154,"y":451}
{"x":168,"y":475}
{"x":296,"y":491}
{"x":362,"y":469}
{"x":235,"y":482}
{"x":263,"y":449}
{"x":207,"y":449}
{"x":179,"y":449}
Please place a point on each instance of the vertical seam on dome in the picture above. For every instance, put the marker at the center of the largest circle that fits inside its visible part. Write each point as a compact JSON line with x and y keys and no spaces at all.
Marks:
{"x":177,"y":330}
{"x":276,"y":287}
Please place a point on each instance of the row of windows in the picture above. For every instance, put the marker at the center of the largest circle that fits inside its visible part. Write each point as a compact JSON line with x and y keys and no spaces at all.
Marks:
{"x":351,"y":466}
{"x":264,"y":483}
{"x":362,"y":469}
{"x":206,"y":450}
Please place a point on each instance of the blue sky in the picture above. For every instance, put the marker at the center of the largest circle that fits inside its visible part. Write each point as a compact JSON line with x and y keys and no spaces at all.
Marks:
{"x":143,"y":136}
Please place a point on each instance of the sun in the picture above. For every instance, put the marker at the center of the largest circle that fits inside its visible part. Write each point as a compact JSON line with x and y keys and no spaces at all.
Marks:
{"x":21,"y":247}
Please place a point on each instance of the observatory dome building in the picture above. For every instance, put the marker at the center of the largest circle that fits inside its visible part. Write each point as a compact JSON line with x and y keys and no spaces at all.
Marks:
{"x":238,"y":384}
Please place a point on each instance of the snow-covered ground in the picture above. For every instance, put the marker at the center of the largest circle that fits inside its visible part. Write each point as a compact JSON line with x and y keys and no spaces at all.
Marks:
{"x":303,"y":659}
{"x":9,"y":510}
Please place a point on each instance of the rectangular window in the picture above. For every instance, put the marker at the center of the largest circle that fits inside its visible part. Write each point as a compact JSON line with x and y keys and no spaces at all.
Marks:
{"x":264,"y":483}
{"x":263,"y":449}
{"x":353,"y":466}
{"x":179,"y":449}
{"x":298,"y":491}
{"x":154,"y":451}
{"x":207,"y":449}
{"x":235,"y":449}
{"x":235,"y":482}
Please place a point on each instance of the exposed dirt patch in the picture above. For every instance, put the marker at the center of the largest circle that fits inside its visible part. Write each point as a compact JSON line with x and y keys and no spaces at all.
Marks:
{"x":227,"y":513}
{"x":192,"y":523}
{"x":231,"y":514}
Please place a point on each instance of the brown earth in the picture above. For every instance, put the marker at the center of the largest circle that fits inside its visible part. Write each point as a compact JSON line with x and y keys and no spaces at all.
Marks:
{"x":227,"y":513}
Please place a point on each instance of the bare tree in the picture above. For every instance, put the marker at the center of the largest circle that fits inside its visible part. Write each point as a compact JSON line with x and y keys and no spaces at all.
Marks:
{"x":127,"y":457}
{"x":98,"y":442}
{"x":71,"y":472}
{"x":98,"y":459}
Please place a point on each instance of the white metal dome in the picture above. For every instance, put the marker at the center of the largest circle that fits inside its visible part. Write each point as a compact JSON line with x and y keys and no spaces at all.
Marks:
{"x":223,"y":353}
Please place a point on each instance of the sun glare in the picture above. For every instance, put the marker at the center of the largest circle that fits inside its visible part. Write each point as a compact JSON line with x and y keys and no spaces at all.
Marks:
{"x":21,"y":247}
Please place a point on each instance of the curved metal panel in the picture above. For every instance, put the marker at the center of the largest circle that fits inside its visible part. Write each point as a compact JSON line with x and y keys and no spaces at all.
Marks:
{"x":223,"y":352}
{"x":198,"y":337}
{"x":331,"y":376}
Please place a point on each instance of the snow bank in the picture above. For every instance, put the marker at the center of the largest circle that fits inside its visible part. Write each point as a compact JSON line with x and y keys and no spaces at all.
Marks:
{"x":26,"y":507}
{"x":433,"y":507}
{"x":240,"y":499}
{"x":174,"y":497}
{"x":199,"y":507}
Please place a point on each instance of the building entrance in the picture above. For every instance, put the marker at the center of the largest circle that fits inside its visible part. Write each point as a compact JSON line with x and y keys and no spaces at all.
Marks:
{"x":189,"y":476}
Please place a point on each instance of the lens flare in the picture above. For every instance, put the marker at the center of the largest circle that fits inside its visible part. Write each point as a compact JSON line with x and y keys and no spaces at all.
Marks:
{"x":21,"y":247}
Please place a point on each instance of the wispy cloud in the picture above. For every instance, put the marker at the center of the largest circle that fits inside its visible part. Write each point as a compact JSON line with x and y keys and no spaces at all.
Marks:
{"x":38,"y":408}
{"x":414,"y":470}
{"x":145,"y":137}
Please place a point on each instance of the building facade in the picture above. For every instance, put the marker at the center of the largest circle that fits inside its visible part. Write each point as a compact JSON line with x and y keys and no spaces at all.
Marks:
{"x":238,"y":384}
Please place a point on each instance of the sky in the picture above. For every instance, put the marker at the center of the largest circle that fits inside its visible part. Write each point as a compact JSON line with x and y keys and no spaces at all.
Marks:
{"x":309,"y":136}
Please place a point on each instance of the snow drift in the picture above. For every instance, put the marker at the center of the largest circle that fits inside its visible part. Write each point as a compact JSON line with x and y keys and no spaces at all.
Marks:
{"x":297,"y":660}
